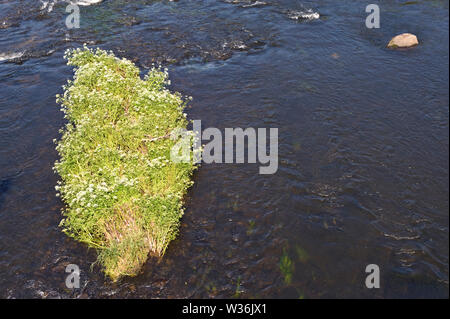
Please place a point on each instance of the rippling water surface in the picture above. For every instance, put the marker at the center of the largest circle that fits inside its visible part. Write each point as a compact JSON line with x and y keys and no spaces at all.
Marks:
{"x":363,"y":133}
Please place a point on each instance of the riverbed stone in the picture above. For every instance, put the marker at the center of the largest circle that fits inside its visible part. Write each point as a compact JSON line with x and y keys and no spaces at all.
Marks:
{"x":404,"y":40}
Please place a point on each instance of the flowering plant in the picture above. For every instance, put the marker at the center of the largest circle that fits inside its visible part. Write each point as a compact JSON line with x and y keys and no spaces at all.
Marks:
{"x":123,"y":195}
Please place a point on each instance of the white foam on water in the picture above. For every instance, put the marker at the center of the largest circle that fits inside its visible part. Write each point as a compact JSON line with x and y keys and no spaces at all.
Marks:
{"x":10,"y":56}
{"x":304,"y":15}
{"x":50,"y":4}
{"x":254,"y":4}
{"x":87,"y":2}
{"x":44,"y":5}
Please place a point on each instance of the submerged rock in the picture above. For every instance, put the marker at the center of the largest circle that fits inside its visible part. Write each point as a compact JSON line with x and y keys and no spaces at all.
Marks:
{"x":404,"y":40}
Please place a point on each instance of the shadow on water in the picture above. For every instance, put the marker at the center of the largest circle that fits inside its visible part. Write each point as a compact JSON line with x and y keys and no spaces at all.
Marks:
{"x":4,"y":186}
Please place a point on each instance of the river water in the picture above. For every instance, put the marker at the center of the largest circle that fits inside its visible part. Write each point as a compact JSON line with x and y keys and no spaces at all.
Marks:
{"x":363,"y":172}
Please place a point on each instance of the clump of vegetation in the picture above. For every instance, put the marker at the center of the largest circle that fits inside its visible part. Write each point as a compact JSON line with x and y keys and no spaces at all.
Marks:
{"x":239,"y":289}
{"x":251,"y":227}
{"x":123,"y":194}
{"x":302,"y":254}
{"x":287,"y":267}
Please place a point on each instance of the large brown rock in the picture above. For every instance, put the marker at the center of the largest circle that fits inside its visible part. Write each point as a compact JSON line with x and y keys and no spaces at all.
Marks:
{"x":404,"y":40}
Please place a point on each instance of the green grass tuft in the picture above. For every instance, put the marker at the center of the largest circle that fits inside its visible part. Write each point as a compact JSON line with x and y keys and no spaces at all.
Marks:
{"x":123,"y":195}
{"x":287,"y":267}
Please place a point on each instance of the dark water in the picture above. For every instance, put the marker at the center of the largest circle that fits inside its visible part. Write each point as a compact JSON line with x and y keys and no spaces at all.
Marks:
{"x":363,"y":133}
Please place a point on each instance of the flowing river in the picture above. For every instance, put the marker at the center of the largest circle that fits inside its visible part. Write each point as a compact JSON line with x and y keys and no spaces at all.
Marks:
{"x":363,"y":172}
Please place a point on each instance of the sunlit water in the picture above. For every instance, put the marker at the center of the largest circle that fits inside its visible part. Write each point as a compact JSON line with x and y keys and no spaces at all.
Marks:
{"x":363,"y":133}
